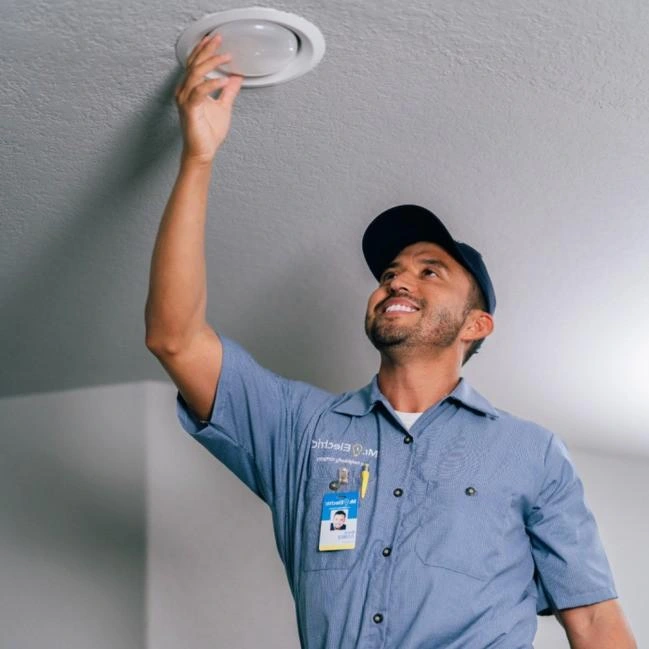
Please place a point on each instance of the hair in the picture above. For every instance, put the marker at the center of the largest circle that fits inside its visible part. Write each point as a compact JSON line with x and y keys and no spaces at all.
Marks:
{"x":475,"y":300}
{"x":340,"y":512}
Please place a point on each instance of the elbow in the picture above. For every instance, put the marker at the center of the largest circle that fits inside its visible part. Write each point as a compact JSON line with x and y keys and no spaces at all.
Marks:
{"x":161,"y":343}
{"x":165,"y":338}
{"x":161,"y":346}
{"x":158,"y":339}
{"x":153,"y":345}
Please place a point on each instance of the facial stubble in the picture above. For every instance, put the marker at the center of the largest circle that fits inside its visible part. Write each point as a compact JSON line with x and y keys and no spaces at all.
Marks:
{"x":440,"y":329}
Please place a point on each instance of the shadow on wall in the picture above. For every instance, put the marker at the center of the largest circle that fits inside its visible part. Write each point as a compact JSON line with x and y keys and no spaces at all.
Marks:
{"x":53,"y":299}
{"x":39,"y":304}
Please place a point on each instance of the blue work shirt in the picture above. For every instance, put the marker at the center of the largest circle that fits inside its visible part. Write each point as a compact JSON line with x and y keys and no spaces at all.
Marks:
{"x":474,"y":521}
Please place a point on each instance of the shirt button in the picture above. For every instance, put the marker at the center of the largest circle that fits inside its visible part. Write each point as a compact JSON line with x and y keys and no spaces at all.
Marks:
{"x":470,"y":491}
{"x":408,"y":439}
{"x":387,"y":552}
{"x":398,"y":492}
{"x":378,"y":618}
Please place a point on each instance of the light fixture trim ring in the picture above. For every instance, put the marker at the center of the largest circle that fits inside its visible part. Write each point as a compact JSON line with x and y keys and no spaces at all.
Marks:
{"x":309,"y":54}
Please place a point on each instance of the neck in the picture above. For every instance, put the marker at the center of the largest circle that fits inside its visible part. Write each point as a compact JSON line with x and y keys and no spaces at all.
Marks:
{"x":412,"y":382}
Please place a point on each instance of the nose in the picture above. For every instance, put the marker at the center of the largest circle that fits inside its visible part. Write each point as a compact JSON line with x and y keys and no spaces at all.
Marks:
{"x":402,"y":281}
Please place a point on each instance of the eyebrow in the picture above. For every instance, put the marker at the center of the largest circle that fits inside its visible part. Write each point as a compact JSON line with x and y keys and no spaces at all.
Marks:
{"x":422,"y":262}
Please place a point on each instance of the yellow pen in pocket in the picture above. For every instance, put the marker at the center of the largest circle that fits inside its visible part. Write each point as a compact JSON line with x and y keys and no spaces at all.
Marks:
{"x":365,"y":478}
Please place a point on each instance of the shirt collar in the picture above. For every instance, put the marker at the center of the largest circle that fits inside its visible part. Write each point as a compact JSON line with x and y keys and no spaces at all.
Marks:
{"x":359,"y":403}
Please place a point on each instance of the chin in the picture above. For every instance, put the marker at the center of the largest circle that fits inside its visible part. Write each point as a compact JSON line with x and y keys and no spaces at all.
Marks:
{"x":386,"y":341}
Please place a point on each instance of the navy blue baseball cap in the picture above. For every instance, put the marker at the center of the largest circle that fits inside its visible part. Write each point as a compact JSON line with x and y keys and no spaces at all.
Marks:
{"x":400,"y":226}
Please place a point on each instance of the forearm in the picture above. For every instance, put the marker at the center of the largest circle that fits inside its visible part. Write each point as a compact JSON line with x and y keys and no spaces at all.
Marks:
{"x":603,"y":633}
{"x":177,"y":299}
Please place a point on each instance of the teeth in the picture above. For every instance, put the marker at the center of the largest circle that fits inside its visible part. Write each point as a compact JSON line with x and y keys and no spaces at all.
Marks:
{"x":400,"y":307}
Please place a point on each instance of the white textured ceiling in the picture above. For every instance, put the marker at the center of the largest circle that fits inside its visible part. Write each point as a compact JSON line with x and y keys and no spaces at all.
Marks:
{"x":524,"y":126}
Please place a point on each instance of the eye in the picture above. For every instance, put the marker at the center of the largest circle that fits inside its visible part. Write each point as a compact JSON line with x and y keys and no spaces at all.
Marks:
{"x":429,"y":270}
{"x":387,"y":275}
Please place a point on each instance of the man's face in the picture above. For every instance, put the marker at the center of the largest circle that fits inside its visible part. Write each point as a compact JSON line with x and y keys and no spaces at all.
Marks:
{"x":421,"y":300}
{"x":339,"y":521}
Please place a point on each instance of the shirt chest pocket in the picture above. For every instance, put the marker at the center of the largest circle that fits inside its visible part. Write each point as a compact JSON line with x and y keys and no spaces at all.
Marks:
{"x":318,"y":485}
{"x":462,"y":528}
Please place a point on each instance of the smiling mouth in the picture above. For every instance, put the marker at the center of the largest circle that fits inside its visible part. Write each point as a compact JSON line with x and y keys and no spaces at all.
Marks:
{"x":400,"y":308}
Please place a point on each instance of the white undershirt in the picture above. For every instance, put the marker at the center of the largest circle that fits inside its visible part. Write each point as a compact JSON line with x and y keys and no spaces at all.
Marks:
{"x":408,"y":418}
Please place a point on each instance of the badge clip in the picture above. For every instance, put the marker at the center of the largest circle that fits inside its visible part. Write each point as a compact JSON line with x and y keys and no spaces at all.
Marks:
{"x":343,"y":479}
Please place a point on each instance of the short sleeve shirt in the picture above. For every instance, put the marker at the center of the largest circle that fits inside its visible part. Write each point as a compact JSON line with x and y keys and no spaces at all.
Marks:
{"x":473,"y":523}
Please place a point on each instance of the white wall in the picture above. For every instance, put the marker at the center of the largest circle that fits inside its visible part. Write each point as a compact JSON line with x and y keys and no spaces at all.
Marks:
{"x":72,"y":519}
{"x":214,"y":576}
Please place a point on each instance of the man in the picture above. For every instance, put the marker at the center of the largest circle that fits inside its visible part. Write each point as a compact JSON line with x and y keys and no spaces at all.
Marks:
{"x":469,"y":521}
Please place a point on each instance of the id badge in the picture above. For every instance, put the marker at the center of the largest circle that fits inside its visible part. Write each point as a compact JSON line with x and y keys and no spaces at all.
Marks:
{"x":338,"y":521}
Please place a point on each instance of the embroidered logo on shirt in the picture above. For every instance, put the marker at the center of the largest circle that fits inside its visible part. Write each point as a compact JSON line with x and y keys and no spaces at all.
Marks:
{"x":354,"y":449}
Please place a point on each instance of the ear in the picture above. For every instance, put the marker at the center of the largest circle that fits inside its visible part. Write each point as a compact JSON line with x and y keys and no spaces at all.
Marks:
{"x":478,"y":325}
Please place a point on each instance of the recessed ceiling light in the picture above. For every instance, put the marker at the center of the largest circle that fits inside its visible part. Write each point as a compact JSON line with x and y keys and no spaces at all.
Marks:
{"x":267,"y":46}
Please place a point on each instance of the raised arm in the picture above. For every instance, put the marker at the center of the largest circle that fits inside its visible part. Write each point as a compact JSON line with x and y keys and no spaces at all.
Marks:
{"x":177,"y":332}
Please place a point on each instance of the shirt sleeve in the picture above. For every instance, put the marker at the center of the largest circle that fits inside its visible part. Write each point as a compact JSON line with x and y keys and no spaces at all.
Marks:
{"x":571,"y":565}
{"x":256,"y":422}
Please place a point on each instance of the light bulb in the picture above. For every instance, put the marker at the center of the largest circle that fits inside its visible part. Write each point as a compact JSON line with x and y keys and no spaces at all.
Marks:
{"x":258,"y":47}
